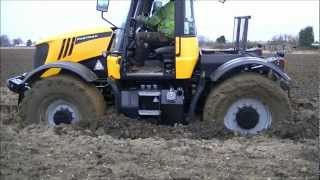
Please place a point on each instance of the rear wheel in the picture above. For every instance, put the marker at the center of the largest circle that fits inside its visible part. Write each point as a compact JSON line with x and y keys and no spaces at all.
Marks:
{"x":248,"y":104}
{"x":62,"y":99}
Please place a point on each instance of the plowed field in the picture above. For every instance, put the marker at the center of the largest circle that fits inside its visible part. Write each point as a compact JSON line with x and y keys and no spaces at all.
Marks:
{"x":123,"y":148}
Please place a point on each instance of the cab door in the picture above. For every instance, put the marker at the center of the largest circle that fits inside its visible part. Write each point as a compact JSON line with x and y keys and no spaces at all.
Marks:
{"x":187,"y":47}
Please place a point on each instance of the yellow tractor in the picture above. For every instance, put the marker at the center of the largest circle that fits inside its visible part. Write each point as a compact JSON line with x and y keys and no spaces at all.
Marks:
{"x":77,"y":74}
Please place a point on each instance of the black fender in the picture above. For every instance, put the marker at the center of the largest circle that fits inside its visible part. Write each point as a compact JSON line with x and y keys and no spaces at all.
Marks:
{"x":243,"y":61}
{"x":78,"y":69}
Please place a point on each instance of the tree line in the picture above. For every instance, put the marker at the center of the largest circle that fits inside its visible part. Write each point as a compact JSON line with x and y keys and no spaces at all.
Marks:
{"x":304,"y":39}
{"x":5,"y":41}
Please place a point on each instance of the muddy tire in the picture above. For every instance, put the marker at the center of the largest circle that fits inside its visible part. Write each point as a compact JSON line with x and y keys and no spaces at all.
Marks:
{"x":248,"y":104}
{"x":62,"y":99}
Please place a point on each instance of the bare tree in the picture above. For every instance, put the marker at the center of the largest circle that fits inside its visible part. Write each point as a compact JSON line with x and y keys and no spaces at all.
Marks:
{"x":306,"y":37}
{"x":17,"y":41}
{"x":29,"y":42}
{"x":4,"y":41}
{"x":221,"y":40}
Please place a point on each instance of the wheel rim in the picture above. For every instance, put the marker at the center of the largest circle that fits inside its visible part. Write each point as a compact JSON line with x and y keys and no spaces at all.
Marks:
{"x":248,"y":116}
{"x":62,"y":112}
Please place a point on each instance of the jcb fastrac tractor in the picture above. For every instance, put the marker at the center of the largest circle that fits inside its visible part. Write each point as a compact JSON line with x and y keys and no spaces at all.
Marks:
{"x":77,"y":74}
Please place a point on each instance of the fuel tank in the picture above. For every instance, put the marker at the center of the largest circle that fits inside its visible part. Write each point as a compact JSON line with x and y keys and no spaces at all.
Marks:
{"x":74,"y":46}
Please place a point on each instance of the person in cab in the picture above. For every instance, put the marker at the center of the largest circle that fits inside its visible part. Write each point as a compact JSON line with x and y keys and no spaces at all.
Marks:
{"x":162,"y":25}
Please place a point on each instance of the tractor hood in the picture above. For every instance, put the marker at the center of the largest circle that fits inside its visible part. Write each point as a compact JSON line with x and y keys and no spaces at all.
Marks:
{"x":74,"y":46}
{"x":78,"y":33}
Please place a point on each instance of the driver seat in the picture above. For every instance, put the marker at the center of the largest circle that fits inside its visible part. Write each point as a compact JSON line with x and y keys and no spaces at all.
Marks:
{"x":166,"y":52}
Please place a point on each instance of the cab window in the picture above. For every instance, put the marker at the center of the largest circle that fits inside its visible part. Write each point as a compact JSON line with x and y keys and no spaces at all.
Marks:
{"x":158,"y":4}
{"x":189,"y":22}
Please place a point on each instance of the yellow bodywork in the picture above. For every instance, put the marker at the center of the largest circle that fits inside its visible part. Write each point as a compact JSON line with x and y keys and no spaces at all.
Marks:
{"x":88,"y":48}
{"x":187,"y":55}
{"x":113,"y":66}
{"x":187,"y":52}
{"x":51,"y":72}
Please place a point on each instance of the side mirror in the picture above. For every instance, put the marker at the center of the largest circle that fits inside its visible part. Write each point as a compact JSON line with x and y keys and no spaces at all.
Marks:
{"x":102,"y":5}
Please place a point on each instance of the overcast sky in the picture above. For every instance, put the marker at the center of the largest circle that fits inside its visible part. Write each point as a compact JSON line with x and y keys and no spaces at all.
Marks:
{"x":35,"y":19}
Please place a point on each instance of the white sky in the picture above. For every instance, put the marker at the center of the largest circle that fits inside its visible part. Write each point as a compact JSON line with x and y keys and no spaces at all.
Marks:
{"x":35,"y":19}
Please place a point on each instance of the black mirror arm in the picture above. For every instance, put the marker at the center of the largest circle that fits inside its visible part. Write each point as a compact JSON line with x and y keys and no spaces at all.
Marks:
{"x":108,"y":21}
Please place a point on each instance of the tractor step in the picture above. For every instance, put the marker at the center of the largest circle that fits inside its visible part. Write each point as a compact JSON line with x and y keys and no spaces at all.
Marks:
{"x":149,"y":112}
{"x":149,"y":93}
{"x":145,"y":74}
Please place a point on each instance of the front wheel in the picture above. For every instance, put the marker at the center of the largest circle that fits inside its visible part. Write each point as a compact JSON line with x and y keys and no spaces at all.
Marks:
{"x":248,"y":104}
{"x":62,"y":99}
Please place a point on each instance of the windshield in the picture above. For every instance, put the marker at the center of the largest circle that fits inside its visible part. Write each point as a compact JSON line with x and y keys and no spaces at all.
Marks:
{"x":118,"y":12}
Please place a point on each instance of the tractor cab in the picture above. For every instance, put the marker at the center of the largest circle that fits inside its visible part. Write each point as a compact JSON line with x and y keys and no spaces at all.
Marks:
{"x":161,"y":58}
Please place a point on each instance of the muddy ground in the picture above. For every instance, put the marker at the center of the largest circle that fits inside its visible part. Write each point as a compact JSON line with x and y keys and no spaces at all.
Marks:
{"x":123,"y":148}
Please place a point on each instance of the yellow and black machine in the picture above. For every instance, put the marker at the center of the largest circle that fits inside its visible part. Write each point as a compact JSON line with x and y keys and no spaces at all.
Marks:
{"x":77,"y":75}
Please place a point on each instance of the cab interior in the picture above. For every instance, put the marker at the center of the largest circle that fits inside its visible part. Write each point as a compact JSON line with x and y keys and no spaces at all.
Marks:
{"x":160,"y":60}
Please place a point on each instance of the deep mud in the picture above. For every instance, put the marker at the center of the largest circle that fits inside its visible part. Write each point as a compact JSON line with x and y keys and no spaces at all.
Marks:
{"x":305,"y":120}
{"x":123,"y":148}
